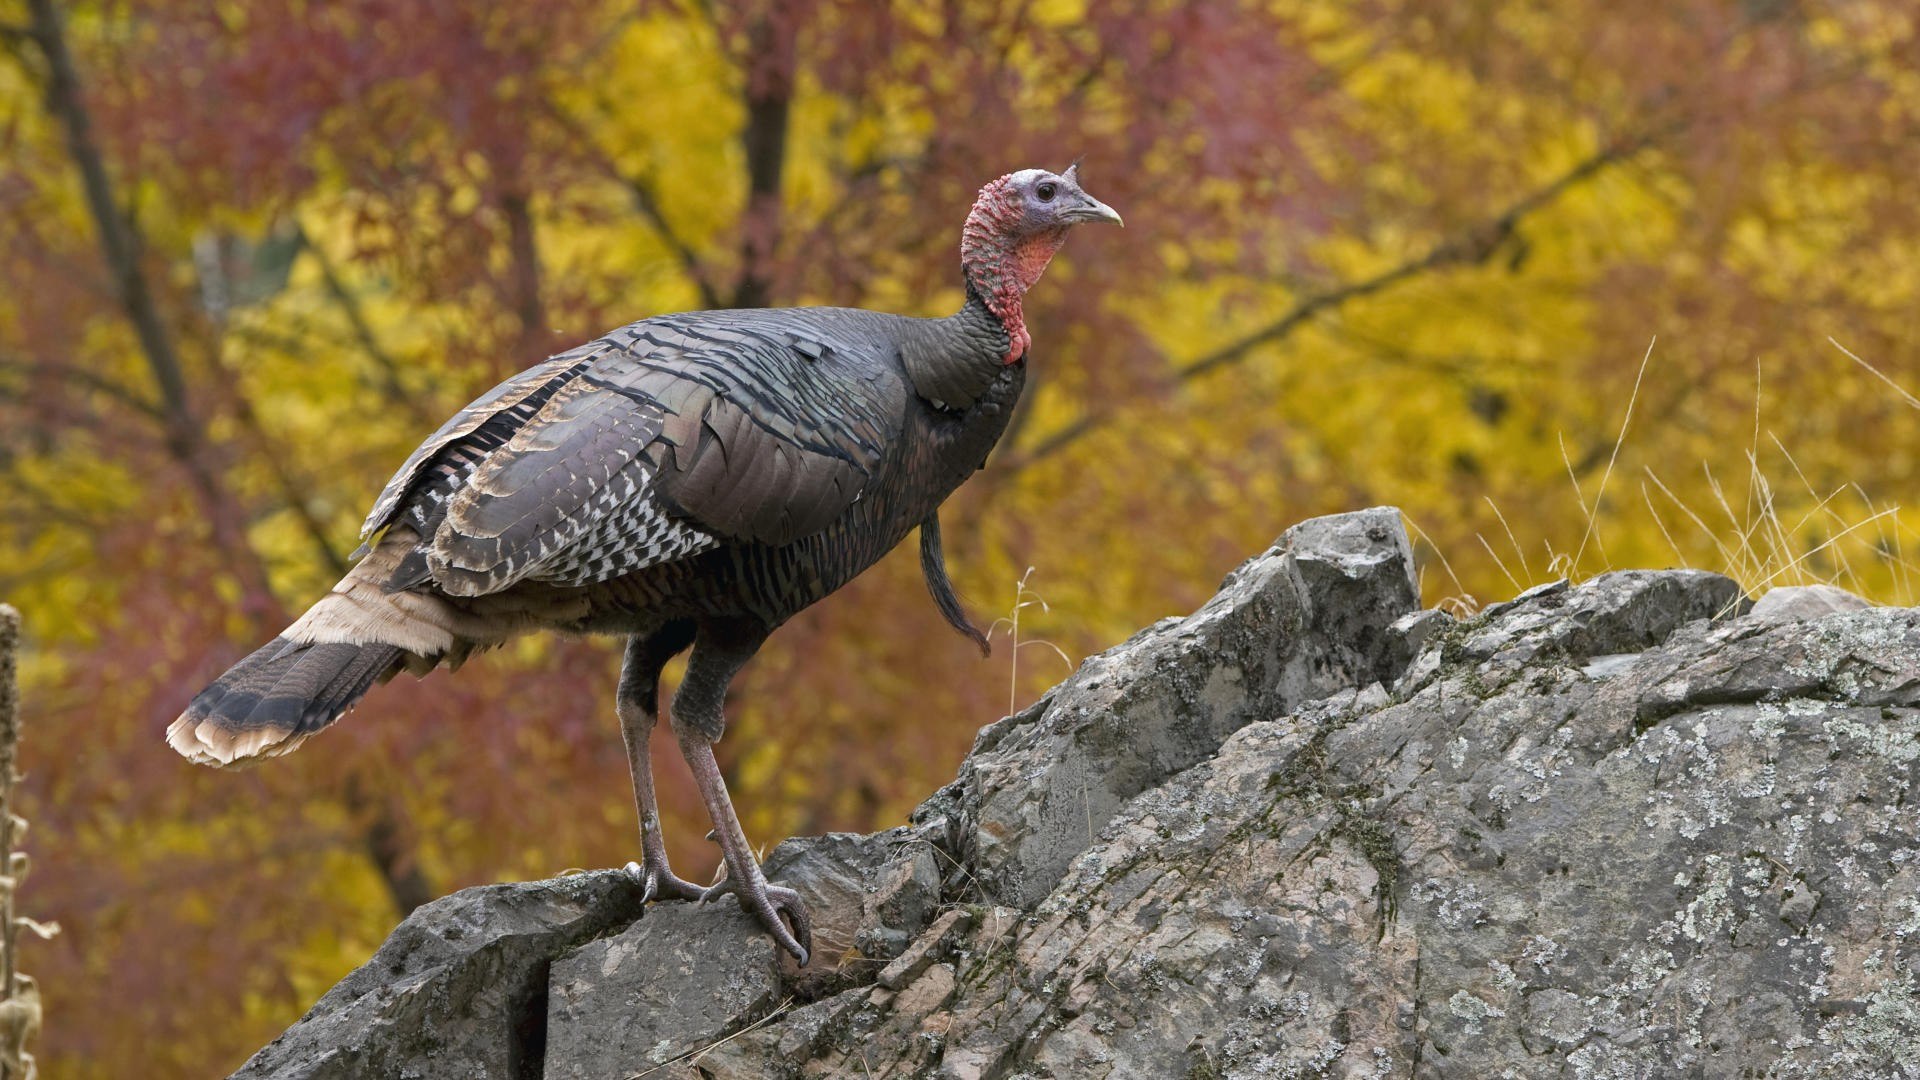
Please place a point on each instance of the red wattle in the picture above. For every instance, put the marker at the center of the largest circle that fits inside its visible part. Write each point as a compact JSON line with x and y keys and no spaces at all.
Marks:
{"x":1002,"y":260}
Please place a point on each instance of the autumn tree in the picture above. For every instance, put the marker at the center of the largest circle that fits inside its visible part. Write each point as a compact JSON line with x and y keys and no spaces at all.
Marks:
{"x":1407,"y":251}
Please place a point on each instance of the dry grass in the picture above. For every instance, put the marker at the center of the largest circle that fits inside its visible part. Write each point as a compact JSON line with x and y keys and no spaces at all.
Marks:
{"x":19,"y":996}
{"x":1770,"y":527}
{"x":1024,"y":597}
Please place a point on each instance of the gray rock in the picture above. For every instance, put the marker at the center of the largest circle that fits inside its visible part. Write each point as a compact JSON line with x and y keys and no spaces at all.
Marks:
{"x":840,"y":876}
{"x":1310,"y":616}
{"x":906,"y":967}
{"x":1555,"y":1020}
{"x":1791,"y":603}
{"x":659,"y":992}
{"x":1605,"y":830}
{"x":459,"y":989}
{"x":1502,"y":875}
{"x":1411,"y":633}
{"x":1619,"y":612}
{"x":901,"y":900}
{"x":666,"y":991}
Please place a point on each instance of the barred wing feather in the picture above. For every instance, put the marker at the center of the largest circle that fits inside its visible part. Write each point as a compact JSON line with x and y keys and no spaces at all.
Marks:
{"x":662,"y":440}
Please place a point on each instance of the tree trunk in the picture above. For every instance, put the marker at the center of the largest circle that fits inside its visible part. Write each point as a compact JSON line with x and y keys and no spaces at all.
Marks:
{"x":184,"y":437}
{"x":524,"y":262}
{"x":769,"y":92}
{"x":121,"y":246}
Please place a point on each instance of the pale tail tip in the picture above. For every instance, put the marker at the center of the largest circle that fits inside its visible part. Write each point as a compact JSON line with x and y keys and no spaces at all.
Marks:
{"x":205,"y":743}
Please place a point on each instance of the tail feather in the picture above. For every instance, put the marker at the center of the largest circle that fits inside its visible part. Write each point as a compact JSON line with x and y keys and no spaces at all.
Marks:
{"x":271,"y":701}
{"x":361,"y":631}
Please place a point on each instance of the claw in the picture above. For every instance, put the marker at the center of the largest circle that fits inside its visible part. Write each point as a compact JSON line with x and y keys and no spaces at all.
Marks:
{"x":659,"y":883}
{"x":767,"y":903}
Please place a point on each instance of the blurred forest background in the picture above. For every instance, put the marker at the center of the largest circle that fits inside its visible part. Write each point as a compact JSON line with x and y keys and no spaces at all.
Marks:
{"x":1390,"y":251}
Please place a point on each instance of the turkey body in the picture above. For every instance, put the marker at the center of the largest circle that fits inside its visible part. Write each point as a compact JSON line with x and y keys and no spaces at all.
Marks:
{"x":739,"y":464}
{"x":706,"y":468}
{"x":688,"y":481}
{"x":929,"y":447}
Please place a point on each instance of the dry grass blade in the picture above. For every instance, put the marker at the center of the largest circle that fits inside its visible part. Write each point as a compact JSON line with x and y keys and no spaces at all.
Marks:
{"x":1660,"y":523}
{"x":1518,"y":551}
{"x":1461,"y":598}
{"x":695,"y":1055}
{"x":1753,"y":447}
{"x":1878,"y":374}
{"x":1592,"y":518}
{"x":1825,"y":544}
{"x":1615,"y":456}
{"x":1744,"y":564}
{"x":1501,"y":563}
{"x":1726,"y":556}
{"x":1894,"y":551}
{"x":1772,"y":534}
{"x":1023,"y":597}
{"x":1579,"y":497}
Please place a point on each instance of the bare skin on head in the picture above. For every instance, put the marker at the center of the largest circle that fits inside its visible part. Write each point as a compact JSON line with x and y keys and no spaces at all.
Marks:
{"x":688,"y":481}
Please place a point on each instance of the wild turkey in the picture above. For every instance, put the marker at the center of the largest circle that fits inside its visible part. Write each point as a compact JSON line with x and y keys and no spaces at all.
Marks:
{"x":689,"y":480}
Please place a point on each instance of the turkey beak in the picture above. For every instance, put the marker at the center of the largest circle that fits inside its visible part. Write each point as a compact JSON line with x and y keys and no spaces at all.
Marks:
{"x":1092,"y":209}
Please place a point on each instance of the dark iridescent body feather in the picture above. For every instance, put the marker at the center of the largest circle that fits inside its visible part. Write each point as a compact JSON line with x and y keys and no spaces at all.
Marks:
{"x":714,"y":463}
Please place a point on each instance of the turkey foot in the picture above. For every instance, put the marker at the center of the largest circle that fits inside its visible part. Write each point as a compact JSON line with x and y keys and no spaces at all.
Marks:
{"x":657,"y":879}
{"x":744,"y":879}
{"x":768,"y":903}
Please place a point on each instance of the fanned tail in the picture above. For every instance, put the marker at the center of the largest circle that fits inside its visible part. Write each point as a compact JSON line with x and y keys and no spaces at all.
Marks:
{"x":269,"y":703}
{"x":365,"y":629}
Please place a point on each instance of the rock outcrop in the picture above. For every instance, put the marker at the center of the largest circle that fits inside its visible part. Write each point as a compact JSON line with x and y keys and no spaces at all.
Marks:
{"x":1618,"y":829}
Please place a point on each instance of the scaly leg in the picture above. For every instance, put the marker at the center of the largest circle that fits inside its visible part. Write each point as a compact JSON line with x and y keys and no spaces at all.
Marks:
{"x":698,"y":723}
{"x":638,"y":703}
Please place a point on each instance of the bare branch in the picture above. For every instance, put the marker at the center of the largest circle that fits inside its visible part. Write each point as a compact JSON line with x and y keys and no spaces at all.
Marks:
{"x":118,"y":240}
{"x":186,"y":440}
{"x":84,"y":379}
{"x":855,"y":186}
{"x":388,"y":368}
{"x":646,"y":200}
{"x":29,"y":502}
{"x":293,"y":489}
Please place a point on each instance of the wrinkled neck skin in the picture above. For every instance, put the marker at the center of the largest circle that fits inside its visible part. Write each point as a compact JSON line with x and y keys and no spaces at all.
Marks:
{"x":1002,"y":263}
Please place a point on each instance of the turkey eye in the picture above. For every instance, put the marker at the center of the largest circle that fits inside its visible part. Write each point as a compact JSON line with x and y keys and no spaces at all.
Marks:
{"x":1046,"y":191}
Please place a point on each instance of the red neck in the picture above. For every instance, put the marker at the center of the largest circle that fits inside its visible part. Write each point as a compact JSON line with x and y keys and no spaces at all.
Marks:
{"x":1002,"y":261}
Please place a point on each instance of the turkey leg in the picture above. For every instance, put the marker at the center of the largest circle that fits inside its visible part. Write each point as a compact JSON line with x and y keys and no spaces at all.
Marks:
{"x":638,"y":702}
{"x":698,"y":723}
